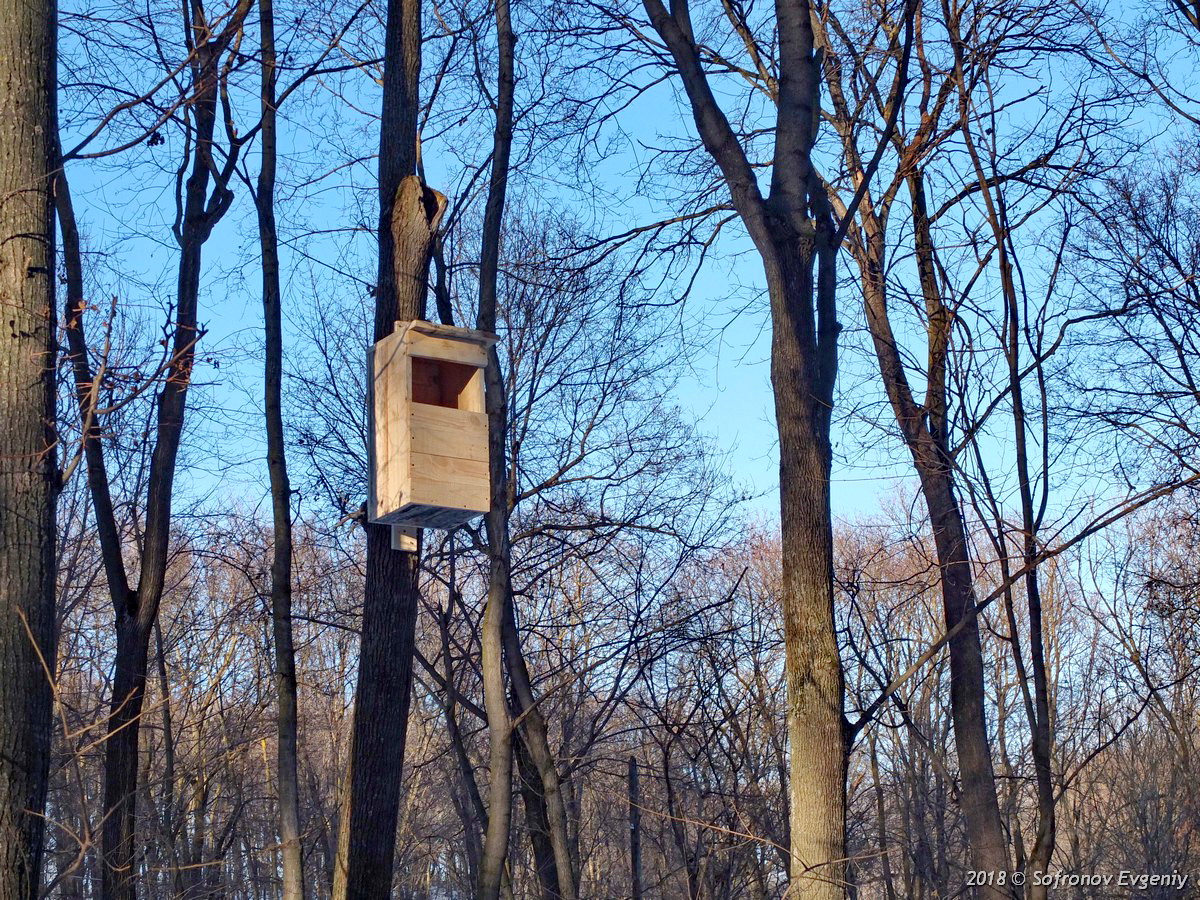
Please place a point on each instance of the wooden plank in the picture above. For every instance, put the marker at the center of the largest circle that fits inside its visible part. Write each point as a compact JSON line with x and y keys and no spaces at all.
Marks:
{"x":404,"y":538}
{"x":472,"y":397}
{"x":439,"y":468}
{"x":469,"y":353}
{"x":450,"y":482}
{"x":449,"y":332}
{"x":373,"y":476}
{"x":389,"y":350}
{"x":456,"y":433}
{"x":417,"y":515}
{"x":389,"y":427}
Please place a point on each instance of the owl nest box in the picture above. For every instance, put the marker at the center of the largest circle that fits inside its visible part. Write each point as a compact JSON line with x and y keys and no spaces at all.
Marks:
{"x":428,"y":430}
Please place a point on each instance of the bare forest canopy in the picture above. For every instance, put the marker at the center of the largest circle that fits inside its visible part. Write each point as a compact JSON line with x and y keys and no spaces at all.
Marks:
{"x":842,"y":448}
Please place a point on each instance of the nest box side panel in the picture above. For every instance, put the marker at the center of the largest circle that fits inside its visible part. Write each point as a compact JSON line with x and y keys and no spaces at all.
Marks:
{"x":389,"y":431}
{"x":473,"y":398}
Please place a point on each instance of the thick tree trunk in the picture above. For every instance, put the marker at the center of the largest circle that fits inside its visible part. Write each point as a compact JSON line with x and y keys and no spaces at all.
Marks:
{"x":366,"y":846}
{"x":968,"y":697}
{"x":816,"y":724}
{"x":536,"y":823}
{"x":409,"y":215}
{"x":792,"y":228}
{"x":281,"y":492}
{"x":368,"y":835}
{"x":28,"y":460}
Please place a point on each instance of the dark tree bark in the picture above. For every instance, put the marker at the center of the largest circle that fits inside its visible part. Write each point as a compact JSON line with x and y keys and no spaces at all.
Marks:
{"x":281,"y":492}
{"x":408,"y":218}
{"x":536,"y":822}
{"x":28,"y":459}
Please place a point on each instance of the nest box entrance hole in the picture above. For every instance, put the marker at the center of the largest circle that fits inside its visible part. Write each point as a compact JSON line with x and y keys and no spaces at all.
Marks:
{"x":440,"y":382}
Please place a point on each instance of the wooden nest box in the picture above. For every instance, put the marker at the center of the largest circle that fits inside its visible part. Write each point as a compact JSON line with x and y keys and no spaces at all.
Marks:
{"x":428,"y":451}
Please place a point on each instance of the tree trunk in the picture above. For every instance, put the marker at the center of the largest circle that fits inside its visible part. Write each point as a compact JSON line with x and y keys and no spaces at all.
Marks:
{"x":923,"y":431}
{"x":281,"y":492}
{"x":167,"y":804}
{"x":536,"y":741}
{"x":498,"y":608}
{"x":135,"y":617}
{"x":816,"y":726}
{"x":635,"y":832}
{"x":536,"y":823}
{"x":409,"y":215}
{"x":1039,"y":714}
{"x":119,"y":872}
{"x":28,"y":460}
{"x":500,"y":639}
{"x":968,"y":698}
{"x":500,"y":729}
{"x":135,"y":610}
{"x":881,"y":825}
{"x":368,"y":837}
{"x":793,"y":230}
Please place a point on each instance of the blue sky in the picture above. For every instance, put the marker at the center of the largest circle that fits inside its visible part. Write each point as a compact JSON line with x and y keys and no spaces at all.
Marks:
{"x":125,"y":206}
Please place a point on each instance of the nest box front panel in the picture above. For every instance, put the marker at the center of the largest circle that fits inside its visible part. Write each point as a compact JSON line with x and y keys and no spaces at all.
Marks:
{"x":448,"y":464}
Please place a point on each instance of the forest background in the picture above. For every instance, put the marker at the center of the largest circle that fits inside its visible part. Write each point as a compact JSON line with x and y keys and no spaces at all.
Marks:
{"x":1014,"y":190}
